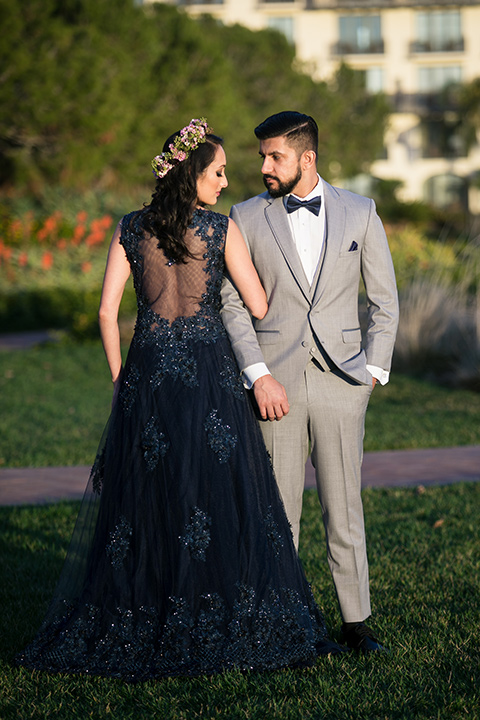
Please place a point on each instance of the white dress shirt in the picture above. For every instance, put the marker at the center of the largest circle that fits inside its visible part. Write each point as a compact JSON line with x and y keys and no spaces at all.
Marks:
{"x":308,"y":231}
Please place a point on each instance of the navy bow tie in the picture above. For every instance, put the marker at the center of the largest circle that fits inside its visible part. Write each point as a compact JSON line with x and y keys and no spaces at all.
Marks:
{"x":313,"y":205}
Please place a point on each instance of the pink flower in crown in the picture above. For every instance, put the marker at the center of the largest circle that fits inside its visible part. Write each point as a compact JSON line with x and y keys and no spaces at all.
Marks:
{"x":187,"y":140}
{"x":160,"y":166}
{"x":177,"y":154}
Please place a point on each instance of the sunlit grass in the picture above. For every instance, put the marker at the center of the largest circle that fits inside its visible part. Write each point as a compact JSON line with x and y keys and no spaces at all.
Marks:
{"x":425,"y":570}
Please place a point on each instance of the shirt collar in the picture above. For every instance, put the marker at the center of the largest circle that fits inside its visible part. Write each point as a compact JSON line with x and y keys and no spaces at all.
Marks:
{"x":316,"y":192}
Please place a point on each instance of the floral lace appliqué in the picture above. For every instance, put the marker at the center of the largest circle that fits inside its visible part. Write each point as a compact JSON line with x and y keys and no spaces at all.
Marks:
{"x":119,"y":543}
{"x":130,"y":389}
{"x":171,"y":338}
{"x":196,"y":537}
{"x":230,"y":378}
{"x":137,"y":644}
{"x":274,"y":537}
{"x":173,"y":352}
{"x":154,"y":445}
{"x":97,"y":471}
{"x":219,"y":437}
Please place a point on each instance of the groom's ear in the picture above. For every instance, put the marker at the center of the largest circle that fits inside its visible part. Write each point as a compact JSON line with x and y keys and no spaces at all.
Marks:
{"x":309,"y":159}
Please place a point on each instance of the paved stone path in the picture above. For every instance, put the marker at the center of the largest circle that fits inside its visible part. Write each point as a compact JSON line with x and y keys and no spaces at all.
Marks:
{"x":400,"y":468}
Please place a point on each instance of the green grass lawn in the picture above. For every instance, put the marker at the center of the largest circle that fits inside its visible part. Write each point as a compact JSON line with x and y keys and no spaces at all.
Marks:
{"x":425,"y":571}
{"x":55,"y":401}
{"x":424,"y":551}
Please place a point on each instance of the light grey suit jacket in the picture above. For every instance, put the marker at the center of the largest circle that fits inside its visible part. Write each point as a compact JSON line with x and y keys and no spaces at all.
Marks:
{"x":325,"y":313}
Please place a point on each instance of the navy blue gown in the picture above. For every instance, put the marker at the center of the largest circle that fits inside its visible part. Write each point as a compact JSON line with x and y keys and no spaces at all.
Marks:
{"x":182,"y":560}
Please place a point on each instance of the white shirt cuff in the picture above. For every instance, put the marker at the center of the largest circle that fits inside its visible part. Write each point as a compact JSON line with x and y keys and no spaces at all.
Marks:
{"x":382,"y":376}
{"x":253,"y":372}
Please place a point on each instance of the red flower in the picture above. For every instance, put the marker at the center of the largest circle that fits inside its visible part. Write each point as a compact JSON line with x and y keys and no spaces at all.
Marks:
{"x":47,"y":260}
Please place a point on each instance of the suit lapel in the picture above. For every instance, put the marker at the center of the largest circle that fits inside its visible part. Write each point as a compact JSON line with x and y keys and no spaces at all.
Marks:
{"x":276,"y":217}
{"x":335,"y":217}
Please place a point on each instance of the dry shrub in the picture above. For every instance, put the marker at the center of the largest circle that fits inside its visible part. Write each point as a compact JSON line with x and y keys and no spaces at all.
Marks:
{"x":438,"y":335}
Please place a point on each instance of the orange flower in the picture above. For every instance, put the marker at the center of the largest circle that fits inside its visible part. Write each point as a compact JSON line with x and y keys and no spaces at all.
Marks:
{"x":86,"y":266}
{"x":62,"y":244}
{"x":47,"y":260}
{"x":97,"y":233}
{"x":23,"y":259}
{"x":82,"y":217}
{"x":106,"y":222}
{"x":5,"y":251}
{"x":50,"y":226}
{"x":78,"y":234}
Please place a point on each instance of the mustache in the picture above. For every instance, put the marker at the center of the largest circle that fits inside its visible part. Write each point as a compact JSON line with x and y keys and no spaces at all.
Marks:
{"x":270,"y":177}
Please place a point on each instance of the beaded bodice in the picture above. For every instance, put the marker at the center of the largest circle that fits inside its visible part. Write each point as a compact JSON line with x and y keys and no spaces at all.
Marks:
{"x":177,"y":299}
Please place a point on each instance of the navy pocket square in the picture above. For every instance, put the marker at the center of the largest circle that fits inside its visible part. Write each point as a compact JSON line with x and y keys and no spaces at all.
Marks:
{"x":353,"y":246}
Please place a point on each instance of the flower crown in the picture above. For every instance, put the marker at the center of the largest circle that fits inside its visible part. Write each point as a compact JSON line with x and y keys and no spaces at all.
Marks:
{"x":187,"y":140}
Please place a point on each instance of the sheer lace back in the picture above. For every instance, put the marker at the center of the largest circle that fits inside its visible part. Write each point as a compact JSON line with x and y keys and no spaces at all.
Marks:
{"x":171,"y":292}
{"x":174,"y":289}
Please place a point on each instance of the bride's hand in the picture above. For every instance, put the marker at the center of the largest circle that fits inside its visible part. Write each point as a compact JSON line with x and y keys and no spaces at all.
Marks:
{"x":116,"y":388}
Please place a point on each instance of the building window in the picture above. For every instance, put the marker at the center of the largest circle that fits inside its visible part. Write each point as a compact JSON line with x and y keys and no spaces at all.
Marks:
{"x":373,"y":79}
{"x":447,"y":191}
{"x":360,"y":34}
{"x":283,"y":25}
{"x":441,"y":138}
{"x":433,"y":79}
{"x":438,"y":31}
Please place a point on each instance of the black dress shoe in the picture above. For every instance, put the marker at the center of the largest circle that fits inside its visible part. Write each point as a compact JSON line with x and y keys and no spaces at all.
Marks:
{"x":360,"y":637}
{"x":328,"y":647}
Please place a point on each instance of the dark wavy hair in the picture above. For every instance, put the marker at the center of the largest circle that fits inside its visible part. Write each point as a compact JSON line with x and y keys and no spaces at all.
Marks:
{"x":299,"y":130}
{"x":170,"y":210}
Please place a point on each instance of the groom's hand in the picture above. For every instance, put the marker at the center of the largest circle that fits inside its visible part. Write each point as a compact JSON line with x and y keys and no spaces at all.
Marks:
{"x":271,"y":398}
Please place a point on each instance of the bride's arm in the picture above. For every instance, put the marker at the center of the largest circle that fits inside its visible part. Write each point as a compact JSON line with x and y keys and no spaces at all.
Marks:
{"x":243,"y":273}
{"x":116,"y":275}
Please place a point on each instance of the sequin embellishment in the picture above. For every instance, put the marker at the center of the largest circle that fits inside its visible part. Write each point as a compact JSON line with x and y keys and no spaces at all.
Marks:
{"x":230,"y":378}
{"x":154,"y":445}
{"x":274,"y":537}
{"x":96,"y":473}
{"x":196,"y":537}
{"x":219,"y":437}
{"x":130,"y":388}
{"x":119,"y":543}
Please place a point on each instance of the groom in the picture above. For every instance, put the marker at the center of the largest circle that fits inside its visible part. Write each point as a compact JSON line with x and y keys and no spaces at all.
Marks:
{"x":309,"y":369}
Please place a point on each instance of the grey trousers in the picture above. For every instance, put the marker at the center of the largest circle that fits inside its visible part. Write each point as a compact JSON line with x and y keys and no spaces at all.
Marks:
{"x":329,"y":413}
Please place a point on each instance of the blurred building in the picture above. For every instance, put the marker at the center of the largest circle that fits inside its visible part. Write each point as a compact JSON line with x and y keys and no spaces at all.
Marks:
{"x":409,"y":50}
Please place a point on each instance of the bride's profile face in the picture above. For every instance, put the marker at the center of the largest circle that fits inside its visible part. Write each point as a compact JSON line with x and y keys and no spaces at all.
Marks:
{"x":213,"y":179}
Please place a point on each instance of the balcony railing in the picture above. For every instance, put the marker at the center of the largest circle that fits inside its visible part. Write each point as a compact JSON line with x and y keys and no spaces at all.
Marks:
{"x":435,"y":46}
{"x":200,"y":2}
{"x":423,"y":104}
{"x":380,"y":4}
{"x":342,"y":47}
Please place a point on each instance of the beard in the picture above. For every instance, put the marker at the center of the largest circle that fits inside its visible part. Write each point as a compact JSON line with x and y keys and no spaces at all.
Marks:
{"x":282,"y":188}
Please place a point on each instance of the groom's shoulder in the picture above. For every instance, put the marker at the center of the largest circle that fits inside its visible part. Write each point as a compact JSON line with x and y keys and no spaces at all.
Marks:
{"x":253,"y":204}
{"x":348,"y":197}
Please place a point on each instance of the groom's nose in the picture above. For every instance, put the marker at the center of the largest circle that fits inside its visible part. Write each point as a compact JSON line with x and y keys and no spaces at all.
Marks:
{"x":266,"y":166}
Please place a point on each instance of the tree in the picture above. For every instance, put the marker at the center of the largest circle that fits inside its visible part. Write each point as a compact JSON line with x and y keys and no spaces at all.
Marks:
{"x":89,"y":89}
